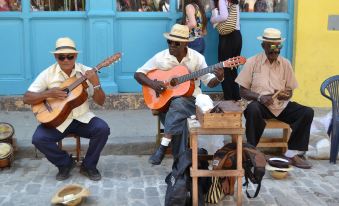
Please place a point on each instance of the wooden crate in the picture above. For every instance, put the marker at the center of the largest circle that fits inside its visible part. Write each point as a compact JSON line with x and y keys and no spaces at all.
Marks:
{"x":230,"y":118}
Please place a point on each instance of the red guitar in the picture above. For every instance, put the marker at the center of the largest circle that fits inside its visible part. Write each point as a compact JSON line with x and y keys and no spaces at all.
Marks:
{"x":179,"y":82}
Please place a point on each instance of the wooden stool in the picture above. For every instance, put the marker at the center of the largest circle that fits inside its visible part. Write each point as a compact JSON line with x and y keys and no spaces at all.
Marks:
{"x":78,"y":145}
{"x":195,"y":130}
{"x":276,"y":141}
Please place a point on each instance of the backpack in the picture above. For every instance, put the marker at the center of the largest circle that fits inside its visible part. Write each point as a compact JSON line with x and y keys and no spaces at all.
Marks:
{"x":179,"y":181}
{"x":254,"y":163}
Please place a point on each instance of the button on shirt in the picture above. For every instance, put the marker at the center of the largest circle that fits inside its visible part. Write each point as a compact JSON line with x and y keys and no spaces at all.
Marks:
{"x":52,"y":77}
{"x":262,"y":77}
{"x":193,"y":61}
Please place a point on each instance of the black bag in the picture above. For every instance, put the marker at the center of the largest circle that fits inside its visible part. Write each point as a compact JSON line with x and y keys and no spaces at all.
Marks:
{"x":253,"y":160}
{"x":179,"y":181}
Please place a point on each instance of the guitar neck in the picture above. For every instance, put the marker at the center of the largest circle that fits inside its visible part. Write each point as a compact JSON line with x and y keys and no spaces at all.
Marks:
{"x":79,"y":81}
{"x":199,"y":73}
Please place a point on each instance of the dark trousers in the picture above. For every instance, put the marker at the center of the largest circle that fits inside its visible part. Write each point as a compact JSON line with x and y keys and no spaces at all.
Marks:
{"x":230,"y":46}
{"x":299,"y":118}
{"x":175,"y":122}
{"x":96,"y":131}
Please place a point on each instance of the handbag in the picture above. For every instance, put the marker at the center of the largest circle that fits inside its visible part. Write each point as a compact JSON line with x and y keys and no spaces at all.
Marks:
{"x":229,"y":24}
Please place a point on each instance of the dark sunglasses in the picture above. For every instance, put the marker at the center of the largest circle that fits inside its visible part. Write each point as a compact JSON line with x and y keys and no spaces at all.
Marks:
{"x":176,"y":43}
{"x":63,"y":57}
{"x":274,"y":46}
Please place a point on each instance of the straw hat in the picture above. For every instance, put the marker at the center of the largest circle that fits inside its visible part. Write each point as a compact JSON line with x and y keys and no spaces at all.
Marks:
{"x":278,"y":167}
{"x":271,"y":35}
{"x":179,"y":33}
{"x":70,"y":195}
{"x":65,"y":45}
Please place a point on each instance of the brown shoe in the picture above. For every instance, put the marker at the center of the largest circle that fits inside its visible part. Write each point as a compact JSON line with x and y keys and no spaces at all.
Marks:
{"x":301,"y":162}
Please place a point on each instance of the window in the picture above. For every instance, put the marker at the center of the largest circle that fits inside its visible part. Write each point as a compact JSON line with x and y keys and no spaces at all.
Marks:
{"x":263,"y":5}
{"x":10,"y":5}
{"x":143,"y":5}
{"x":58,"y":5}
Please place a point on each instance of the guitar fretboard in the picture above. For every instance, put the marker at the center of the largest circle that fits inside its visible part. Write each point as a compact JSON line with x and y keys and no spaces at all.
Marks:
{"x":76,"y":83}
{"x":199,"y":73}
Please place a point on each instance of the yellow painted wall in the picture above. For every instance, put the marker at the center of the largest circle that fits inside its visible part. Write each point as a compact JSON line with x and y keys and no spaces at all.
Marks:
{"x":316,"y":54}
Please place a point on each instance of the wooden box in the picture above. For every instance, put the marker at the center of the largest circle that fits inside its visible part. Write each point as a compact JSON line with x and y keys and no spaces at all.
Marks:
{"x":231,"y":117}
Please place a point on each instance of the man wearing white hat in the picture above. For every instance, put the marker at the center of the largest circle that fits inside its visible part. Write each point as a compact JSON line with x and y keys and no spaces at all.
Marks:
{"x":180,"y":108}
{"x":81,"y":120}
{"x":268,"y":81}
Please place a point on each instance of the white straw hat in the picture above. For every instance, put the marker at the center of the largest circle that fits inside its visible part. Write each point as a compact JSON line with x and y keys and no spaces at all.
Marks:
{"x":65,"y":45}
{"x":179,"y":33}
{"x":271,"y":35}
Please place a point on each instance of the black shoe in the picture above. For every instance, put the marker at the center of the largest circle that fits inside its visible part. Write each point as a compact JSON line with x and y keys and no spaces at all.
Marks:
{"x":158,"y":155}
{"x":64,"y":172}
{"x":92,"y":174}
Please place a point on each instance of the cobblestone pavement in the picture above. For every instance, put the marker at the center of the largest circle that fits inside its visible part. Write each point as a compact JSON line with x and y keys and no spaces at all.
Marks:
{"x":130,"y":180}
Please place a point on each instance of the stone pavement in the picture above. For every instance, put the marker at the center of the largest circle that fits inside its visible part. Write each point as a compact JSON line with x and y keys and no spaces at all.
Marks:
{"x":130,"y":180}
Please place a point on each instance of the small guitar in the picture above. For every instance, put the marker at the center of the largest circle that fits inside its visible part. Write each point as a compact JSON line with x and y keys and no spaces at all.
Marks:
{"x":179,"y":82}
{"x":52,"y":112}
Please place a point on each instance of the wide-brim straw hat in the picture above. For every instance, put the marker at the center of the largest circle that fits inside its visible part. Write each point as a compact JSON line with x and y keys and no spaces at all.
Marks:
{"x":70,"y":195}
{"x":179,"y":33}
{"x":65,"y":45}
{"x":271,"y":168}
{"x":271,"y":35}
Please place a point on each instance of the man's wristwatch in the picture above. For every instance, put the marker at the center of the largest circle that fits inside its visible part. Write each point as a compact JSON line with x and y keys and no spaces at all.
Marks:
{"x":258,"y":99}
{"x":97,"y":86}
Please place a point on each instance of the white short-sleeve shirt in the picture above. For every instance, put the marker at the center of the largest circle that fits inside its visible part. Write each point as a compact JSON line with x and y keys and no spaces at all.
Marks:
{"x":193,"y":61}
{"x":52,"y":77}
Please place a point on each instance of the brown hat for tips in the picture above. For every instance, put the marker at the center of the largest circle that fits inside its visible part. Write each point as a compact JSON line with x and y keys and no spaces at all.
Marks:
{"x":179,"y":33}
{"x":70,"y":195}
{"x":65,"y":45}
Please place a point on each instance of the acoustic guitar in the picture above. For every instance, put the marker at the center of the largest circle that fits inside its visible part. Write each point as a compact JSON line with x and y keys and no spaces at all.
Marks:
{"x":52,"y":111}
{"x":179,"y":82}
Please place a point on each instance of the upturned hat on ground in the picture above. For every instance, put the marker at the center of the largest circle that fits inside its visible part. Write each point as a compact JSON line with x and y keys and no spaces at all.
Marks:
{"x":70,"y":195}
{"x":65,"y":45}
{"x":179,"y":33}
{"x":271,"y":35}
{"x":278,"y":167}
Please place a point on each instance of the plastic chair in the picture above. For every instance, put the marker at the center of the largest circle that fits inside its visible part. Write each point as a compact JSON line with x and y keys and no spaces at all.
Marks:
{"x":332,"y":86}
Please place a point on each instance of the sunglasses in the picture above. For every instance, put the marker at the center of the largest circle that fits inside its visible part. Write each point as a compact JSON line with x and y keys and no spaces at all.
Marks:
{"x":63,"y":57}
{"x":176,"y":43}
{"x":274,"y":46}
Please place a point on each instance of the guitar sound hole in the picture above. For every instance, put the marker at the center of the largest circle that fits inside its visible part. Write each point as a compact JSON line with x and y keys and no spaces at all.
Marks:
{"x":66,"y":90}
{"x":174,"y":82}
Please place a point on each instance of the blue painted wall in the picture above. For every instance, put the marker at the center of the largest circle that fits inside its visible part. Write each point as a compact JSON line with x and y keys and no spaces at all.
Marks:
{"x":28,"y":37}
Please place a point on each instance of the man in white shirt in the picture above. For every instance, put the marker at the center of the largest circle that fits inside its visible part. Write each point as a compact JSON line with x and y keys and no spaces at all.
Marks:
{"x":81,"y":121}
{"x":179,"y":108}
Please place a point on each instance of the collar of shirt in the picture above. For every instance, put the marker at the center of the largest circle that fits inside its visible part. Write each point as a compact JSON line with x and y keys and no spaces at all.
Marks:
{"x":172,"y":58}
{"x":264,"y":59}
{"x":74,"y":71}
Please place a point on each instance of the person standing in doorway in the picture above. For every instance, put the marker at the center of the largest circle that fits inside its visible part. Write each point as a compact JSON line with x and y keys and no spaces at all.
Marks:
{"x":230,"y":44}
{"x":195,"y":18}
